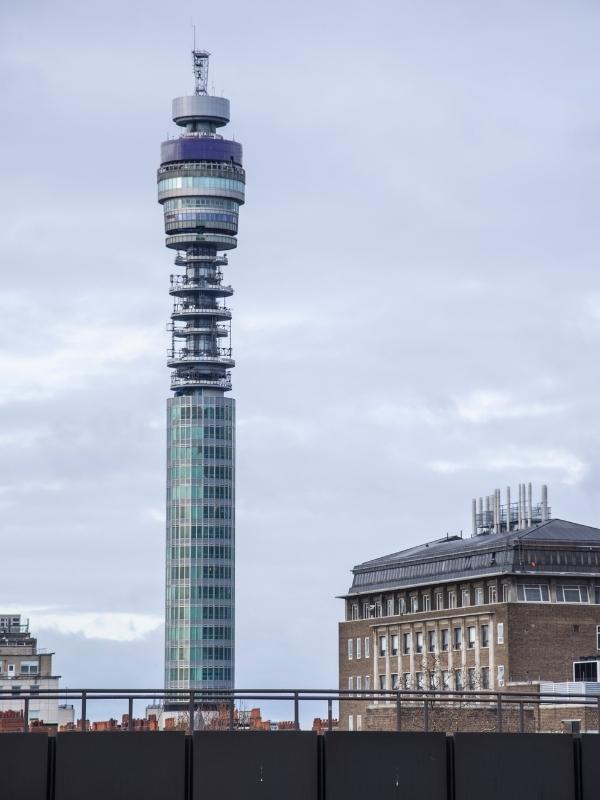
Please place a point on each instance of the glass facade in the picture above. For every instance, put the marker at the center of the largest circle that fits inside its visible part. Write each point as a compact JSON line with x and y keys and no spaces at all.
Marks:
{"x":200,"y":557}
{"x":200,"y":182}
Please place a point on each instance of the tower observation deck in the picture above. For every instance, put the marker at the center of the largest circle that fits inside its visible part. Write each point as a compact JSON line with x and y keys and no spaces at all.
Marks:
{"x":201,"y":186}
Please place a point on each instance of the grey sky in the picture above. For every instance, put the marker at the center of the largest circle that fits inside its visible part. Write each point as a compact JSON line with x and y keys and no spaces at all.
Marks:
{"x":417,"y":308}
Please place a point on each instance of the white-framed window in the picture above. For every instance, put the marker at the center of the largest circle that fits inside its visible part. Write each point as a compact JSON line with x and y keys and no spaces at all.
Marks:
{"x":426,"y":602}
{"x":485,"y":636}
{"x":485,"y":677}
{"x":382,"y":685}
{"x":533,"y":593}
{"x":419,"y":642}
{"x":350,"y":644}
{"x":407,"y":680}
{"x":395,"y":638}
{"x":395,"y":681}
{"x":567,"y":593}
{"x":367,"y":646}
{"x":445,"y":679}
{"x":465,"y":598}
{"x":354,"y":611}
{"x":403,"y":605}
{"x":432,"y":680}
{"x":457,"y":640}
{"x":451,"y":599}
{"x":458,"y":680}
{"x":500,"y":674}
{"x":378,"y":609}
{"x":367,"y":683}
{"x":596,"y":594}
{"x":500,"y":632}
{"x":359,"y":722}
{"x":439,"y":601}
{"x":505,"y":592}
{"x":492,"y":594}
{"x":471,"y":678}
{"x":350,"y":683}
{"x":419,"y":679}
{"x":431,"y":641}
{"x":350,"y":722}
{"x":471,"y":633}
{"x":358,"y":683}
{"x":29,"y":668}
{"x":358,"y":647}
{"x":406,"y":643}
{"x":598,"y":637}
{"x":382,"y":646}
{"x":366,"y":609}
{"x":390,"y":607}
{"x":414,"y":604}
{"x":445,"y":644}
{"x":479,"y":596}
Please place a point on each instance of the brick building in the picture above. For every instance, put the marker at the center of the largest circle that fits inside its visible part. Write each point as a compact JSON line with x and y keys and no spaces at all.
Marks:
{"x":514,"y":605}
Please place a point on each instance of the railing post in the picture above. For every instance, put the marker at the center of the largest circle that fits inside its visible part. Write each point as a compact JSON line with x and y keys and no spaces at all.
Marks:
{"x":425,"y":713}
{"x":26,"y":716}
{"x":83,"y":710}
{"x":330,"y":714}
{"x":296,"y":712}
{"x":398,"y":712}
{"x":130,"y":714}
{"x":499,"y":707}
{"x":191,"y":712}
{"x":521,"y":717}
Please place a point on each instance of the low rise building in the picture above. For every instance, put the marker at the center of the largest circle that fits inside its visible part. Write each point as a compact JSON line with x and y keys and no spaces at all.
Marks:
{"x":26,"y":669}
{"x":514,"y":605}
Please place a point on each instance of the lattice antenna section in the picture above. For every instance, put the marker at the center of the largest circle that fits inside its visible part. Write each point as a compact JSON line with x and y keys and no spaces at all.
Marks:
{"x":201,"y":70}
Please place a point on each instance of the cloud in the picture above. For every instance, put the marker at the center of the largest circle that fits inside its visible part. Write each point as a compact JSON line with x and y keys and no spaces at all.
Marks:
{"x":573,"y":469}
{"x":78,"y":353}
{"x":296,"y":430}
{"x":272,"y":321}
{"x":114,"y":626}
{"x":155,"y":514}
{"x":405,"y":415}
{"x":487,"y":405}
{"x":25,"y":437}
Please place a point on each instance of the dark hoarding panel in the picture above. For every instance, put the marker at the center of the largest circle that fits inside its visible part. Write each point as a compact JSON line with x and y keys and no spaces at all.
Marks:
{"x":510,"y":766}
{"x":230,"y":765}
{"x":23,"y":766}
{"x":381,"y":765}
{"x":120,"y":766}
{"x":590,"y":766}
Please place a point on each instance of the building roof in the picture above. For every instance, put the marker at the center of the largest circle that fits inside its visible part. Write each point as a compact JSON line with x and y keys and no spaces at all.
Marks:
{"x":454,"y":557}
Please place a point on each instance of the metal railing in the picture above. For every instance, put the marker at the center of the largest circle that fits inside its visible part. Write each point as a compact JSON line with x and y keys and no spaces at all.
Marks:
{"x":199,"y":378}
{"x":216,"y":311}
{"x":190,"y":701}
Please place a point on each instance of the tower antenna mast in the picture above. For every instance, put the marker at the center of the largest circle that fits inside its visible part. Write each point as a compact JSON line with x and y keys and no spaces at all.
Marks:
{"x":200,"y":69}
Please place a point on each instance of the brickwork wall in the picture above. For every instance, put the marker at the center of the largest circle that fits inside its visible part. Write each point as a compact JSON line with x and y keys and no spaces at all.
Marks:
{"x":449,"y":719}
{"x":544,"y":639}
{"x":553,"y":719}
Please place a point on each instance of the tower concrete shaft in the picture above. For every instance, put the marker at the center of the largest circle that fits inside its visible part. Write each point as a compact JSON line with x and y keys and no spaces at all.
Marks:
{"x":201,"y":186}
